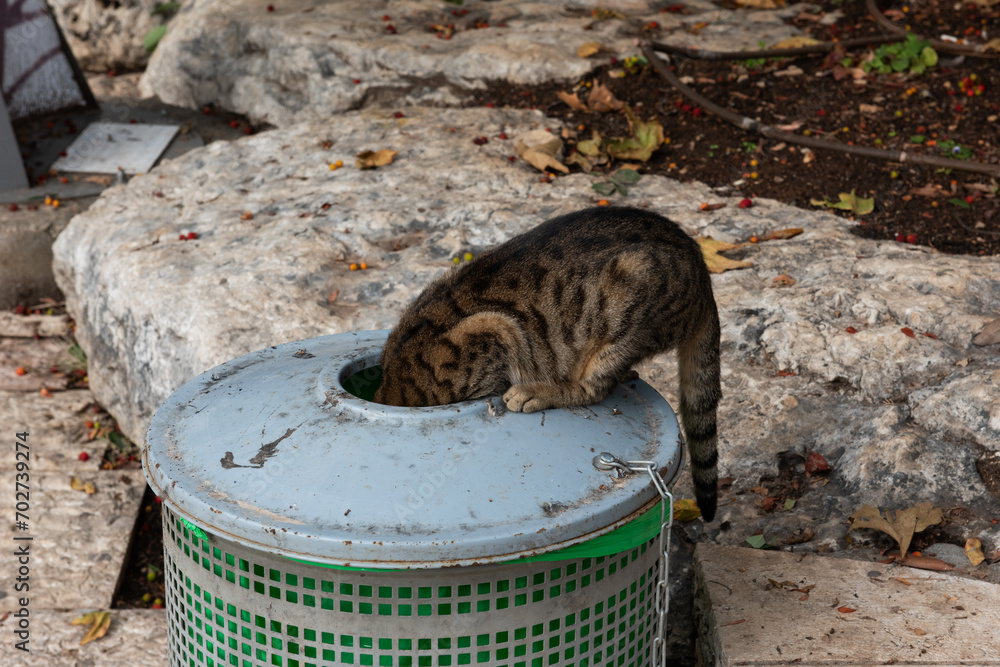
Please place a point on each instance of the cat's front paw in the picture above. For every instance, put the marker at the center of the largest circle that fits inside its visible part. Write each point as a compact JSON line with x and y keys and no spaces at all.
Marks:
{"x":526,"y":398}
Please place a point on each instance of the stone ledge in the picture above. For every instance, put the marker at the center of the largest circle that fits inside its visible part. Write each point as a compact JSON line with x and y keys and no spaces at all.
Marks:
{"x":743,"y":619}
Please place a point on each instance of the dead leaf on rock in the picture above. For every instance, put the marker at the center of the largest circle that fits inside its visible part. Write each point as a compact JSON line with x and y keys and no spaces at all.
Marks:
{"x":784,"y":280}
{"x":907,"y":522}
{"x":541,"y":150}
{"x":918,"y":632}
{"x":927,"y":563}
{"x":572,"y":100}
{"x":78,"y":484}
{"x":993,"y":44}
{"x":99,"y":622}
{"x":686,"y":509}
{"x":761,"y":4}
{"x":373,"y":159}
{"x":781,"y":234}
{"x":806,"y":535}
{"x":589,"y":49}
{"x":974,"y":551}
{"x":710,"y":249}
{"x":990,"y":335}
{"x":602,"y":100}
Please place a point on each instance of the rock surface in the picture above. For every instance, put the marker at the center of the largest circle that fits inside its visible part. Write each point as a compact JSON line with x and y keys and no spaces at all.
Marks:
{"x":107,"y":36}
{"x":77,"y":548}
{"x":136,"y":637}
{"x":901,"y":419}
{"x":307,"y":59}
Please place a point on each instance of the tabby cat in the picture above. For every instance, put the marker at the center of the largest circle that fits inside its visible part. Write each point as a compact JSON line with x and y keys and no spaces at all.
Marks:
{"x":557,"y":316}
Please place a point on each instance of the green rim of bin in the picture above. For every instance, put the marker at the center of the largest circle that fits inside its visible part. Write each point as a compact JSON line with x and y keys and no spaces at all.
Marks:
{"x":644,"y":528}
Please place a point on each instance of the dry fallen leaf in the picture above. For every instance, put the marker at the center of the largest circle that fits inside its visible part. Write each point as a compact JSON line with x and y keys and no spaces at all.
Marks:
{"x":541,"y":150}
{"x":795,"y":42}
{"x":901,"y":580}
{"x":927,"y":563}
{"x":806,"y":535}
{"x":846,"y":610}
{"x":572,"y":100}
{"x":601,"y":99}
{"x":710,"y":249}
{"x":974,"y":551}
{"x":902,"y":528}
{"x":686,"y":509}
{"x":589,"y":49}
{"x":784,"y":280}
{"x":372,"y":159}
{"x":79,"y":485}
{"x":930,"y":190}
{"x":780,"y":234}
{"x":99,"y":622}
{"x":646,"y":138}
{"x":990,"y":334}
{"x":918,"y":632}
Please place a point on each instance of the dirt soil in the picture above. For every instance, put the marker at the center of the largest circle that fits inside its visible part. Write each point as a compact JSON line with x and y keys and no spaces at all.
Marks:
{"x":951,"y":110}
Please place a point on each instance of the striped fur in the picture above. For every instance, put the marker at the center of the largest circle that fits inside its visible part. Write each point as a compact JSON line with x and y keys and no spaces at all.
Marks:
{"x":556,"y":317}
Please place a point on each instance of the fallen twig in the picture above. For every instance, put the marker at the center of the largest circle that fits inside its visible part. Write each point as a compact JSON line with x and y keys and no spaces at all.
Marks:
{"x":822,"y":144}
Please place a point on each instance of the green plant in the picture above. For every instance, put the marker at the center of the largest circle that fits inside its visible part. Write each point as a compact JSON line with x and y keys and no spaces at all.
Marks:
{"x":913,"y":55}
{"x":620,"y":180}
{"x":756,"y":63}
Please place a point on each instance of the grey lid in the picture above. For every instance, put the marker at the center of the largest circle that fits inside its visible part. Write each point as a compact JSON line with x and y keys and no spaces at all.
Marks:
{"x":269,"y":450}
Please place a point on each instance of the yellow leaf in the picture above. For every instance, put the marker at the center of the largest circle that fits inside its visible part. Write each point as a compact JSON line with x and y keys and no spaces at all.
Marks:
{"x":99,"y":622}
{"x":795,"y":42}
{"x":601,"y":99}
{"x":579,"y":158}
{"x":710,"y":249}
{"x":686,"y":509}
{"x":646,"y":138}
{"x":590,"y":48}
{"x":78,"y":484}
{"x":572,"y":100}
{"x":372,"y":159}
{"x":974,"y":551}
{"x":993,"y":44}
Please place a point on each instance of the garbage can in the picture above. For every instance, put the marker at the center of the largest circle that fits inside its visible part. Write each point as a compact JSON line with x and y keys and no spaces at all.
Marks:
{"x":306,"y":526}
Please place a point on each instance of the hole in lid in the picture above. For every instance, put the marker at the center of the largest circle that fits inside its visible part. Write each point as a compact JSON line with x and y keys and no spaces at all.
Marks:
{"x":364,"y":382}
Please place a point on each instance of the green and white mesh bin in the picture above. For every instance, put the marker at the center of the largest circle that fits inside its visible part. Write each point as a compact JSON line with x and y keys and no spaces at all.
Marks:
{"x":305,"y":526}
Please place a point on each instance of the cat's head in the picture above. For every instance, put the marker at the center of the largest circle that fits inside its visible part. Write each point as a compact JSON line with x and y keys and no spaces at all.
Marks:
{"x":425,"y":363}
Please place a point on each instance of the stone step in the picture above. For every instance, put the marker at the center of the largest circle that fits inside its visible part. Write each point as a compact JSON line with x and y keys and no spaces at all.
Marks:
{"x":137,"y":637}
{"x":78,"y":540}
{"x":902,"y":616}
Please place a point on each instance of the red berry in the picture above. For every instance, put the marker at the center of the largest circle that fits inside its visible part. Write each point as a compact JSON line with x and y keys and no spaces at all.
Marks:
{"x":13,"y":207}
{"x":385,"y":17}
{"x":192,"y":236}
{"x":614,"y":61}
{"x":83,"y":456}
{"x":911,"y":238}
{"x":21,"y":310}
{"x":398,"y":114}
{"x":234,"y":123}
{"x":391,"y":28}
{"x":746,"y":203}
{"x":969,"y":199}
{"x":502,"y":135}
{"x":183,"y":237}
{"x":821,"y":112}
{"x":247,"y":130}
{"x":159,"y":499}
{"x":490,"y":105}
{"x":207,"y":111}
{"x":511,"y":158}
{"x":900,"y":238}
{"x":357,"y":81}
{"x":851,"y":330}
{"x":270,"y":8}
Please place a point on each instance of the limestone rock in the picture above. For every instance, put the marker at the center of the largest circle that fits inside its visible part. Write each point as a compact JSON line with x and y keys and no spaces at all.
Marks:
{"x":307,"y":59}
{"x":56,"y":430}
{"x":278,"y":229}
{"x":107,"y":36}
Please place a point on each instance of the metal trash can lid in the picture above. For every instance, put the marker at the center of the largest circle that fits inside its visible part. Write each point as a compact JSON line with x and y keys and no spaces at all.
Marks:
{"x":271,"y":451}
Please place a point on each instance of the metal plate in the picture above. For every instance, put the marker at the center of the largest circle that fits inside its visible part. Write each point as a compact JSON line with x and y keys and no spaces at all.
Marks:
{"x":270,"y":451}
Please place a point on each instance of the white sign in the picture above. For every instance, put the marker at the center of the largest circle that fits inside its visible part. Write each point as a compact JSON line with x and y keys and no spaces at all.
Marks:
{"x":104,"y":148}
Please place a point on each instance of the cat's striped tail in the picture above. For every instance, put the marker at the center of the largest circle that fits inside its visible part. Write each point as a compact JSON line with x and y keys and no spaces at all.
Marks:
{"x":700,"y":391}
